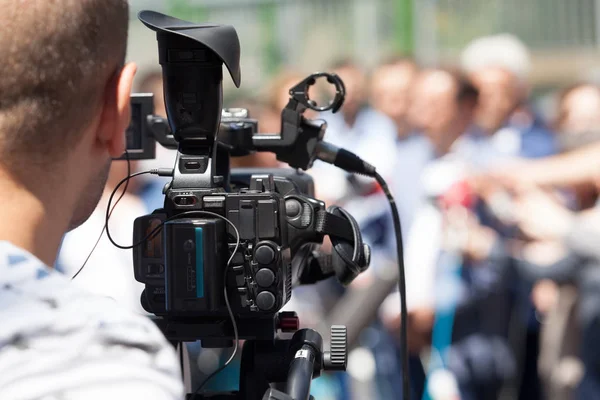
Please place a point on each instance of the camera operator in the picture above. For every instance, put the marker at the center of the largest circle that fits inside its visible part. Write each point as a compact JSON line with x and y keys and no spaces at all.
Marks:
{"x":64,"y":108}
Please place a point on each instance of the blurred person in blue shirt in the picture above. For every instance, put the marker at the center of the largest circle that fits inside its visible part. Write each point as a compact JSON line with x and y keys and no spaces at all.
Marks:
{"x":390,"y":90}
{"x":499,"y":66}
{"x":358,"y":128}
{"x":391,"y":86}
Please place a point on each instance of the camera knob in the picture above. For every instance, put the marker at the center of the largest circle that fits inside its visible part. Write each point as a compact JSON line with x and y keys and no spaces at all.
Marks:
{"x":265,"y":300}
{"x":336,"y":358}
{"x":264,"y":255}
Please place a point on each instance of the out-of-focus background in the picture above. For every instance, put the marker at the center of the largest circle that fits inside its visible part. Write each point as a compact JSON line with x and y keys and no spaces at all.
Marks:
{"x":563,"y":36}
{"x":484,"y":117}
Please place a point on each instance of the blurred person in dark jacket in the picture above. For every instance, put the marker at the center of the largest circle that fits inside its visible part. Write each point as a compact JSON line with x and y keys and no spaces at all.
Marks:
{"x":564,"y":249}
{"x":499,"y":66}
{"x":443,"y":109}
{"x":577,"y":123}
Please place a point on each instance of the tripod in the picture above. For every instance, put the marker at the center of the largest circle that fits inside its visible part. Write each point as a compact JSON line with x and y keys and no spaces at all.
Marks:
{"x":278,"y":369}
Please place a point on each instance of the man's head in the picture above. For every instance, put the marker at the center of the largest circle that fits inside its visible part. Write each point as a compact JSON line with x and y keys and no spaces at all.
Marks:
{"x":501,"y":93}
{"x":355,"y":81}
{"x":443,"y":106}
{"x":499,"y":67}
{"x":579,"y":110}
{"x":390,"y":90}
{"x":64,"y":96}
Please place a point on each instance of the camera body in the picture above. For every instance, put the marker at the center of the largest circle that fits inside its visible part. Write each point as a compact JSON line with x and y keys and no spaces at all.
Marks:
{"x":183,"y":266}
{"x":219,"y":260}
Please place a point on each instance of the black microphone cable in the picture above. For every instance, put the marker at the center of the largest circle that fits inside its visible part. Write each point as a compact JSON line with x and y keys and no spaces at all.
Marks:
{"x":109,"y":214}
{"x":350,"y":162}
{"x":111,"y":207}
{"x":401,"y":285}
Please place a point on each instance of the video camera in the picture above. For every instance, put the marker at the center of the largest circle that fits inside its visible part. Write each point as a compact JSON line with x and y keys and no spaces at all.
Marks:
{"x":220,"y":259}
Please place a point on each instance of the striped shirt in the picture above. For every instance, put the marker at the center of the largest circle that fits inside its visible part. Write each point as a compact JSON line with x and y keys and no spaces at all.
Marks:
{"x":58,"y":342}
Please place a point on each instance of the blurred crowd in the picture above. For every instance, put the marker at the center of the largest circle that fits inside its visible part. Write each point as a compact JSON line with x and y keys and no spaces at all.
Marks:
{"x":499,"y":221}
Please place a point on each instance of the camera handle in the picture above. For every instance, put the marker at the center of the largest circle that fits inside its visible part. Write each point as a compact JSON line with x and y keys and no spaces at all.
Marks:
{"x":299,"y":143}
{"x":307,"y":360}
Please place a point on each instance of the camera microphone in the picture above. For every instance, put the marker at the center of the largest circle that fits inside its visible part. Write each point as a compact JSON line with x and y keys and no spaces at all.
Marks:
{"x":344,"y":159}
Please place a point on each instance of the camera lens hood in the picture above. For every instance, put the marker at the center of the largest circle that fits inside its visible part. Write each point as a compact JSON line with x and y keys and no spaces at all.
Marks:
{"x":221,"y":39}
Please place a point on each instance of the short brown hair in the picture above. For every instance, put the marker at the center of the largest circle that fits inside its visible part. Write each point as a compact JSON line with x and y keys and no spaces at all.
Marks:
{"x":466,"y":91}
{"x":58,"y":57}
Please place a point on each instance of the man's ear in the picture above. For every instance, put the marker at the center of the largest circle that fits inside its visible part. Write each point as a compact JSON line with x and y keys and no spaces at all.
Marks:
{"x":119,"y":112}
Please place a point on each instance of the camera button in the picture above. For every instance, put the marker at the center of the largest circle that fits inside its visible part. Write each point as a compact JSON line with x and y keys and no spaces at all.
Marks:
{"x":265,"y":301}
{"x":188,"y":245}
{"x":192,"y":165}
{"x":264,"y":255}
{"x":265,"y":277}
{"x":155,"y":269}
{"x":293,"y":208}
{"x":185,"y":200}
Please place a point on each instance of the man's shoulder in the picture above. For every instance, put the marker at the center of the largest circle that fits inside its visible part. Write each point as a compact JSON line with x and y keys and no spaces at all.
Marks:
{"x":56,"y":338}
